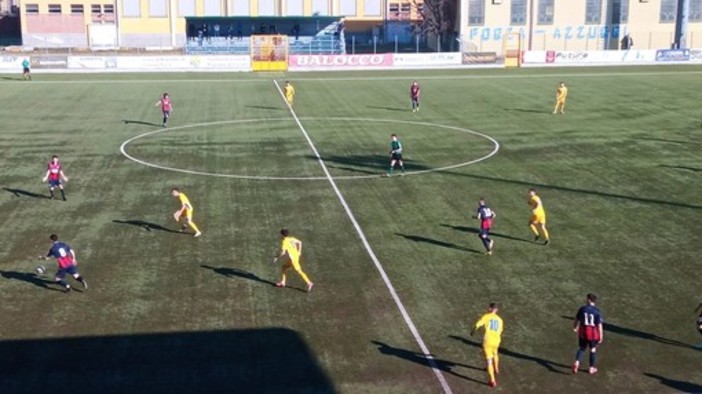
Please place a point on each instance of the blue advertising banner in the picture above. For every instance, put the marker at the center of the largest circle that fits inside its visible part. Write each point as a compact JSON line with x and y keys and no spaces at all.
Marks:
{"x":672,"y":55}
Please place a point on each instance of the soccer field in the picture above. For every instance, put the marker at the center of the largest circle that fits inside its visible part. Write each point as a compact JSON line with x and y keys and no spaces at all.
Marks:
{"x":397,"y":264}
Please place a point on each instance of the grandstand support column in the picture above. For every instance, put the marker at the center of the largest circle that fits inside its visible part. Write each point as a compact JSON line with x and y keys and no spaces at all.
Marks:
{"x":172,"y":21}
{"x":681,"y":22}
{"x":463,"y":21}
{"x":118,"y":10}
{"x":530,"y":31}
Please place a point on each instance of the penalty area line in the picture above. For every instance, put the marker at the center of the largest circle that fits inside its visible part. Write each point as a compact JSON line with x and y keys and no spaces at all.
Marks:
{"x":369,"y":250}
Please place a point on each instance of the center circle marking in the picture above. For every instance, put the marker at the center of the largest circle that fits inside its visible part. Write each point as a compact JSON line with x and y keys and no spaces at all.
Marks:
{"x":122,"y":148}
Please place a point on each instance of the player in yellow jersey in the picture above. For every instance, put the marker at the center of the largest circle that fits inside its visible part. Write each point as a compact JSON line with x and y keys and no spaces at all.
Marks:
{"x":561,"y":95}
{"x":537,"y":222}
{"x":290,"y":253}
{"x":491,"y":341}
{"x":289,"y":93}
{"x":186,"y":208}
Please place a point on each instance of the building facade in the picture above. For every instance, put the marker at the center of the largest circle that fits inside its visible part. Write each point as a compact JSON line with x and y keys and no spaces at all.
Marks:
{"x":577,"y":24}
{"x":161,"y":23}
{"x":483,"y":25}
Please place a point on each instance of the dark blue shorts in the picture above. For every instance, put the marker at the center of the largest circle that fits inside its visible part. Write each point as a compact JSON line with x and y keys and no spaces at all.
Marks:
{"x":587,"y":343}
{"x":25,"y":69}
{"x":397,"y":156}
{"x":55,"y":182}
{"x":484,"y":232}
{"x":61,"y":273}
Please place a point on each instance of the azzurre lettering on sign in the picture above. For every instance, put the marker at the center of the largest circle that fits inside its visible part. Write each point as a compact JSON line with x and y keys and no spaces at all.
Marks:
{"x":568,"y":33}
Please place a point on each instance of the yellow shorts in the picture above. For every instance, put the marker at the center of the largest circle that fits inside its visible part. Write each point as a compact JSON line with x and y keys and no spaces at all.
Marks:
{"x":490,"y":351}
{"x":188,"y":213}
{"x":294,"y":263}
{"x":289,"y":98}
{"x":538,"y":218}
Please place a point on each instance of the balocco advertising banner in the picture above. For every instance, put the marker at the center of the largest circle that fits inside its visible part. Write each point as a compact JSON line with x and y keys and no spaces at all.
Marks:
{"x":426,"y":59}
{"x":11,"y":63}
{"x":339,"y":62}
{"x":193,"y":63}
{"x":588,"y":57}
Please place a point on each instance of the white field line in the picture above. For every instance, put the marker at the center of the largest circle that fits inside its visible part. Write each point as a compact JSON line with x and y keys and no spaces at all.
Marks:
{"x":378,"y":78}
{"x":366,"y":244}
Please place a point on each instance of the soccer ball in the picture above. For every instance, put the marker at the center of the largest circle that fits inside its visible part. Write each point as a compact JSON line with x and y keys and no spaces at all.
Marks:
{"x":40,"y":270}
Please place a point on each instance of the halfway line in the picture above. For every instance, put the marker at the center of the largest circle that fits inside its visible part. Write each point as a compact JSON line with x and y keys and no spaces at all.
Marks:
{"x":364,"y":240}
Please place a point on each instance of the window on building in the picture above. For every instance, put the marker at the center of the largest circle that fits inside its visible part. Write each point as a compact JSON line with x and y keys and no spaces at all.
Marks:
{"x":668,"y":10}
{"x":131,"y":8}
{"x":320,"y":7}
{"x":593,"y":12}
{"x":295,"y":8}
{"x":372,"y":8}
{"x":54,"y":8}
{"x":76,"y":8}
{"x":695,"y":11}
{"x":96,"y":8}
{"x":158,"y":8}
{"x":213,"y":8}
{"x":620,"y":11}
{"x":347,"y":7}
{"x":266,"y":7}
{"x":518,"y":12}
{"x":108,"y":9}
{"x":476,"y":12}
{"x":405,"y":8}
{"x":545,"y":16}
{"x":240,"y":8}
{"x":31,"y":8}
{"x":186,"y":8}
{"x":393,"y":8}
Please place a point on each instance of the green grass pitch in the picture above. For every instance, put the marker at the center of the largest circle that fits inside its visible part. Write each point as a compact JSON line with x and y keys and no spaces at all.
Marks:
{"x":619,"y":175}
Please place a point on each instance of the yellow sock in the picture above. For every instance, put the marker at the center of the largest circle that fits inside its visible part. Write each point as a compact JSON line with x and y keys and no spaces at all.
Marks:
{"x":545,"y":233}
{"x":194,"y":227}
{"x":533,"y":229}
{"x":304,"y":276}
{"x":490,"y":371}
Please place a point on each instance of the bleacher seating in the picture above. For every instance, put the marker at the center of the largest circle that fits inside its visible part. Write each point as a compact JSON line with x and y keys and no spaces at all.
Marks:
{"x":328,"y":40}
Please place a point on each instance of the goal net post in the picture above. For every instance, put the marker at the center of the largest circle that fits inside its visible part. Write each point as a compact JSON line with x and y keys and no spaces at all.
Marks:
{"x":512,"y":48}
{"x":269,"y":52}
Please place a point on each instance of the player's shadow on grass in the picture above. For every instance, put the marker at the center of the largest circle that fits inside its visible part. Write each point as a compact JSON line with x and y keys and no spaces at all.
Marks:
{"x":148,"y":226}
{"x":363,"y":163}
{"x":494,"y":234}
{"x":12,"y":78}
{"x":385,"y":108}
{"x":141,"y":122}
{"x":548,"y":364}
{"x":29,"y":278}
{"x":529,"y":110}
{"x":419,"y":238}
{"x":613,"y":328}
{"x":681,"y":168}
{"x":679,"y":385}
{"x":20,"y":192}
{"x":229,"y":272}
{"x":575,"y":190}
{"x":267,"y":108}
{"x":421,"y":359}
{"x":682,"y":142}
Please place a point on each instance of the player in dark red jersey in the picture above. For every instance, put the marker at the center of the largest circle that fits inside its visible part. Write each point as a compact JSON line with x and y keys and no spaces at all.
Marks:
{"x":588,"y":326}
{"x":166,"y":108}
{"x":67,"y":263}
{"x":414,"y":95}
{"x":485,"y":215}
{"x":54,"y":174}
